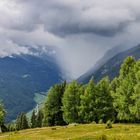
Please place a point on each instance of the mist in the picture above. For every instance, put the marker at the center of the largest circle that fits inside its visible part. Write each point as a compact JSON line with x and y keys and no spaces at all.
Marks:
{"x":80,"y":32}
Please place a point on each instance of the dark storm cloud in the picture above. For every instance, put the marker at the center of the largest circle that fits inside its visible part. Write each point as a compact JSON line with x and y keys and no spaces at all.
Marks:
{"x":75,"y":17}
{"x":82,"y":30}
{"x":75,"y":29}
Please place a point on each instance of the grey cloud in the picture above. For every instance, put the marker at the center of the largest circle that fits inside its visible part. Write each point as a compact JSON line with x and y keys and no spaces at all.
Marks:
{"x":72,"y":17}
{"x":82,"y":30}
{"x":94,"y":21}
{"x":75,"y":17}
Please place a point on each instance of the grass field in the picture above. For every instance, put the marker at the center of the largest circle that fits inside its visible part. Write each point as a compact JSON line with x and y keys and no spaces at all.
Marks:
{"x":78,"y":132}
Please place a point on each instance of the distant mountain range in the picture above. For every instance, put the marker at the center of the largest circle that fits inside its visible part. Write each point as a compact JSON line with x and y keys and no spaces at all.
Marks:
{"x":110,"y":64}
{"x":23,"y":76}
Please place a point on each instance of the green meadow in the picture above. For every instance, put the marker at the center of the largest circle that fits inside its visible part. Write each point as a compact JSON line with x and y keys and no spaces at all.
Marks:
{"x":77,"y":132}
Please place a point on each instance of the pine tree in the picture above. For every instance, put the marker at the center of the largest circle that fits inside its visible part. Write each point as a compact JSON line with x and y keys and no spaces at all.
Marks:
{"x":33,"y":119}
{"x":2,"y":116}
{"x":18,"y":122}
{"x":39,"y":119}
{"x":22,"y":122}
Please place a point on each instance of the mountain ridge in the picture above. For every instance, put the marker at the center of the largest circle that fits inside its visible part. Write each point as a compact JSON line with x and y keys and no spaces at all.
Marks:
{"x":111,"y":67}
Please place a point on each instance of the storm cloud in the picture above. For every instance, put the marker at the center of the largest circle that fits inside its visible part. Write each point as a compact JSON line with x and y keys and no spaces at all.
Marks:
{"x":81,"y":30}
{"x":71,"y":17}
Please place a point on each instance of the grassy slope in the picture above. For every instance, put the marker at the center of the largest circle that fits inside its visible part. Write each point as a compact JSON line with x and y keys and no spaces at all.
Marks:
{"x":79,"y":132}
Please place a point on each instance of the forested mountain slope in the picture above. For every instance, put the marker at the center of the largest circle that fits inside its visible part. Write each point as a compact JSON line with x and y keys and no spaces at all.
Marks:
{"x":21,"y":77}
{"x":111,"y":67}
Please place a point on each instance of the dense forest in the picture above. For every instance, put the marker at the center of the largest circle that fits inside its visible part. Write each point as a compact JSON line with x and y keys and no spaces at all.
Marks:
{"x":117,"y":101}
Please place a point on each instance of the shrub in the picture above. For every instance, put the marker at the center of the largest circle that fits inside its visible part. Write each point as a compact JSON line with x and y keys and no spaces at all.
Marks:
{"x":93,"y":122}
{"x":108,"y":124}
{"x":53,"y":128}
{"x":16,"y":132}
{"x":73,"y":124}
{"x":100,"y":121}
{"x":103,"y":137}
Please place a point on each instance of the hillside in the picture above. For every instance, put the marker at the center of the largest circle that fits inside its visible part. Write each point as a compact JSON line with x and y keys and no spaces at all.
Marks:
{"x":23,"y":76}
{"x":111,"y":66}
{"x":78,"y":132}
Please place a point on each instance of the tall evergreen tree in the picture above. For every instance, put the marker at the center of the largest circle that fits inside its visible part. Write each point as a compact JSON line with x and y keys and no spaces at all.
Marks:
{"x":134,"y":105}
{"x":39,"y":119}
{"x":33,"y":119}
{"x":127,"y":66}
{"x":25,"y":124}
{"x":52,"y":108}
{"x":104,"y":101}
{"x":71,"y":103}
{"x":124,"y":91}
{"x":2,"y":116}
{"x":88,"y":104}
{"x":18,"y":122}
{"x":22,"y":122}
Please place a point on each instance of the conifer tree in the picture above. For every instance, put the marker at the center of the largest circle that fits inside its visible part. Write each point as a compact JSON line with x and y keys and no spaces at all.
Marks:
{"x":25,"y":124}
{"x":2,"y":116}
{"x":39,"y":119}
{"x":88,"y":105}
{"x":33,"y":119}
{"x":134,"y":103}
{"x":18,"y":122}
{"x":71,"y":103}
{"x":123,"y":93}
{"x":22,"y":122}
{"x":104,"y":101}
{"x":52,"y":108}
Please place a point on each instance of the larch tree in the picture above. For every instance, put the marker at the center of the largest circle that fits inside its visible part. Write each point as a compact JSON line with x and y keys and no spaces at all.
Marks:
{"x":71,"y":103}
{"x":53,"y":114}
{"x":88,"y":104}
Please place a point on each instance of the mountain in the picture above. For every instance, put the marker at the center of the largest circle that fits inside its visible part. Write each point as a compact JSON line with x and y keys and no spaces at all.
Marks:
{"x":23,"y":76}
{"x":109,"y":54}
{"x":109,"y":66}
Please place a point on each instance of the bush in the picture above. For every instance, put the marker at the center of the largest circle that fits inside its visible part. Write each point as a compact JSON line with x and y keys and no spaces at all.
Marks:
{"x":54,"y":128}
{"x":103,"y":137}
{"x":108,"y":124}
{"x":93,"y":122}
{"x":16,"y":132}
{"x":100,"y":121}
{"x":73,"y":124}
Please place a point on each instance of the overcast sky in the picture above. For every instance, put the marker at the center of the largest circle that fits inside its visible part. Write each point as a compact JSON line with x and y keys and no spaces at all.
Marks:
{"x":82,"y":30}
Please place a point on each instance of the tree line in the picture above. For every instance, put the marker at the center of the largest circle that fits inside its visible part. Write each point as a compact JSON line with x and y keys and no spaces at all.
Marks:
{"x":23,"y":122}
{"x":117,"y":100}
